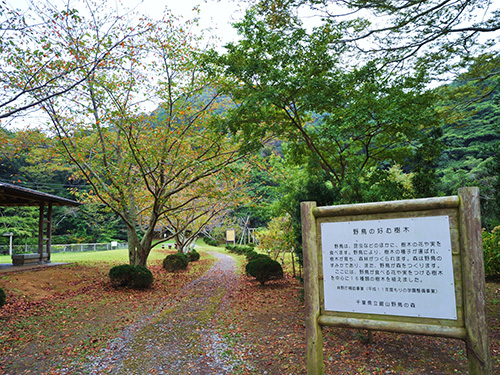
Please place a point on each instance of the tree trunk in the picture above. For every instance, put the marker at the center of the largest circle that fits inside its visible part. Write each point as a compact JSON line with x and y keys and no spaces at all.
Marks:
{"x":139,"y":249}
{"x":145,"y":248}
{"x":133,"y":246}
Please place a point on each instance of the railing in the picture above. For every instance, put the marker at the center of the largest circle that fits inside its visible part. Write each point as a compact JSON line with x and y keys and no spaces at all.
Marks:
{"x":65,"y":248}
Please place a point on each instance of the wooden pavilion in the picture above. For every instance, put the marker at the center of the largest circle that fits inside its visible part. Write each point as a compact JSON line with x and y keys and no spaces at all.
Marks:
{"x":13,"y":195}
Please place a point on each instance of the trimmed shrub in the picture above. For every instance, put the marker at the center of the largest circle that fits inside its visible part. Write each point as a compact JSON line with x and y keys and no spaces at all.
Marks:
{"x":491,"y":252}
{"x":264,"y":269}
{"x":175,"y":262}
{"x":254,"y":255}
{"x":3,"y":297}
{"x":252,"y":258}
{"x":250,"y":255}
{"x":193,"y":256}
{"x":244,"y":249}
{"x":130,"y":276}
{"x":239,"y":249}
{"x":210,"y":241}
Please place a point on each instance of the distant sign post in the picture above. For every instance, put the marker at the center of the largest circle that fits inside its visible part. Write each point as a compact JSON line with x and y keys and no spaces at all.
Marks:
{"x":231,"y":236}
{"x":410,"y":266}
{"x":9,"y":234}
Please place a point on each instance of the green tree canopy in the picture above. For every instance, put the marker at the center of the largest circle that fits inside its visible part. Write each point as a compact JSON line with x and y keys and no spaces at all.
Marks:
{"x":440,"y":34}
{"x":294,"y":85}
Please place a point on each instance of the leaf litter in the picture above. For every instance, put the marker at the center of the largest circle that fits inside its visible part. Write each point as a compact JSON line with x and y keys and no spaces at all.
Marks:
{"x":209,"y":320}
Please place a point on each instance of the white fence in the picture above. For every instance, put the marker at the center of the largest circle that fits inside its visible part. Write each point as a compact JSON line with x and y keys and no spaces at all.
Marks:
{"x":65,"y":248}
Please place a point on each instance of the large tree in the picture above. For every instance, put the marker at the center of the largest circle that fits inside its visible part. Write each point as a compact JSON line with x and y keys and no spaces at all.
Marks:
{"x":471,"y":136}
{"x":294,"y":84}
{"x":39,"y":44}
{"x":435,"y":32}
{"x":203,"y":203}
{"x":137,"y":163}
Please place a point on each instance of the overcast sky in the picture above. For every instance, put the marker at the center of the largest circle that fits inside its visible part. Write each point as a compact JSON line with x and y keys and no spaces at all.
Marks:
{"x":216,"y":14}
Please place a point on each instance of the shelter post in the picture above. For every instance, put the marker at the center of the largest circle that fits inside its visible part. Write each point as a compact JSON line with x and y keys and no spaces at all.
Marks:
{"x":41,"y":231}
{"x":49,"y":232}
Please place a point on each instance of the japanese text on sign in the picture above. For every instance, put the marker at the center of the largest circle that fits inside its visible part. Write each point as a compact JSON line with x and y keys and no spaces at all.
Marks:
{"x":394,"y":266}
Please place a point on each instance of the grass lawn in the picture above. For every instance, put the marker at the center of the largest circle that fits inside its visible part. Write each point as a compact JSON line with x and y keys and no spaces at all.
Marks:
{"x":92,"y":257}
{"x":109,"y":256}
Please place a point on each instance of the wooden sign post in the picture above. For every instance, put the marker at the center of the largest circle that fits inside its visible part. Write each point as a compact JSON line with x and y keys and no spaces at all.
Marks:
{"x":412,"y":266}
{"x":231,"y":236}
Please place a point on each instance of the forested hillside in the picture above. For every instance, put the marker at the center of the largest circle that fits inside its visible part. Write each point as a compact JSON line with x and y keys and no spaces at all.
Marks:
{"x":471,"y":141}
{"x":30,"y":159}
{"x":470,"y":146}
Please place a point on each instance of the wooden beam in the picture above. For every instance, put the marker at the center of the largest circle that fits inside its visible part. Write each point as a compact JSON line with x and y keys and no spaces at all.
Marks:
{"x":401,"y":327}
{"x":41,"y":230}
{"x":423,"y":204}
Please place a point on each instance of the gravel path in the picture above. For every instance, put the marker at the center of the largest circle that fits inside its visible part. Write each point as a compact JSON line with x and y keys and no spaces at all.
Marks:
{"x":179,"y":337}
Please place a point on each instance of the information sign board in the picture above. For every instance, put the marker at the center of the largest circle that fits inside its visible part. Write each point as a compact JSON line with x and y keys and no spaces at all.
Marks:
{"x":230,"y":235}
{"x":399,"y":267}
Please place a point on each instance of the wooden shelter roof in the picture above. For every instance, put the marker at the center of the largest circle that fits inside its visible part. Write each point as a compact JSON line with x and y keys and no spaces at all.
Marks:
{"x":13,"y":195}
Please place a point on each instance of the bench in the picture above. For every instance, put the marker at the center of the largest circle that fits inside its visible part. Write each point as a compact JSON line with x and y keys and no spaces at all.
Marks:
{"x":22,"y":259}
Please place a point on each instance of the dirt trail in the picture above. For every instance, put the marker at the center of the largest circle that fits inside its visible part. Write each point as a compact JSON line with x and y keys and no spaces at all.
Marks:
{"x":178,"y":338}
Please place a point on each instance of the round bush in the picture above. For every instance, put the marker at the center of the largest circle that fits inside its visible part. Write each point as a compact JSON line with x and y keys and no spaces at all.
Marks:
{"x":243,"y":249}
{"x":264,"y":269}
{"x":130,"y":276}
{"x":250,"y":255}
{"x":193,"y":256}
{"x":3,"y":297}
{"x":175,"y":262}
{"x":491,"y":252}
{"x":239,"y":249}
{"x":254,"y":255}
{"x":210,"y":241}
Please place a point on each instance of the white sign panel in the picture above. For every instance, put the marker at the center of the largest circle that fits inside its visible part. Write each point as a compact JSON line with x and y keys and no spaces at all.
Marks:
{"x":395,"y":267}
{"x":230,"y":235}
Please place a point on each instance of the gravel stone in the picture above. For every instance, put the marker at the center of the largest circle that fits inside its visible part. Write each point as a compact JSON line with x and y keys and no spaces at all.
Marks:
{"x":178,"y":337}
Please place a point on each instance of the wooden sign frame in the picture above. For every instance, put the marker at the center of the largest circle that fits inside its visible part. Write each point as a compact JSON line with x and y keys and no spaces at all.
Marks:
{"x":231,"y":235}
{"x":468,"y":273}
